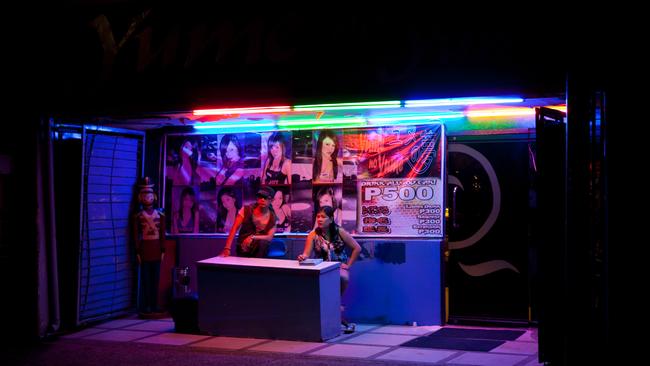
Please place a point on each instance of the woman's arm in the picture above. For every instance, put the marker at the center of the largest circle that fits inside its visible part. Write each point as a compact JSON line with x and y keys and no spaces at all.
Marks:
{"x":286,"y":170}
{"x":266,"y":166}
{"x":352,"y":243}
{"x":220,"y":176}
{"x":196,"y":221}
{"x":268,"y":236}
{"x":231,"y":236}
{"x":309,"y":245}
{"x":339,"y":175}
{"x":186,"y":173}
{"x":286,"y":210}
{"x":235,"y":177}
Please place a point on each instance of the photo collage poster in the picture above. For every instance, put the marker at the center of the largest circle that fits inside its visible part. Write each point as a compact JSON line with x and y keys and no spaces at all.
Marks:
{"x":379,"y":181}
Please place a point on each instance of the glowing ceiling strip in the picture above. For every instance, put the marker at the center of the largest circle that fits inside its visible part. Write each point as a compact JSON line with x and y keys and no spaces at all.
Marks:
{"x":344,"y":106}
{"x":217,"y":125}
{"x":288,"y":122}
{"x":460,"y":101}
{"x":323,"y":127}
{"x":388,"y":119}
{"x":500,"y":112}
{"x":320,"y":122}
{"x":248,"y":110}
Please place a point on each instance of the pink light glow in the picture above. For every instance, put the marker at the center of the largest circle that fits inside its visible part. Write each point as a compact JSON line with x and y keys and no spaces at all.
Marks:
{"x":247,"y":110}
{"x":498,"y":112}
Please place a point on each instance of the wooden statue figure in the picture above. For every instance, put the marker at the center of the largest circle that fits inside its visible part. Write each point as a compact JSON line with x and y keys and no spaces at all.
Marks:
{"x":149,"y":238}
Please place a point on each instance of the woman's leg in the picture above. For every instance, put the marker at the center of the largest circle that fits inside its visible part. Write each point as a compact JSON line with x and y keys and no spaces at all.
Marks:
{"x":261,"y":248}
{"x":345,"y":280}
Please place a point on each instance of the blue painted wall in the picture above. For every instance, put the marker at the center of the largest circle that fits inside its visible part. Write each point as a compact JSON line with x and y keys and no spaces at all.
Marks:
{"x":396,"y":282}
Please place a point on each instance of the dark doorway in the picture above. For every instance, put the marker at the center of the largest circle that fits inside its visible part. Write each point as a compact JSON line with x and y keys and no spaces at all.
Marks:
{"x":488,"y":199}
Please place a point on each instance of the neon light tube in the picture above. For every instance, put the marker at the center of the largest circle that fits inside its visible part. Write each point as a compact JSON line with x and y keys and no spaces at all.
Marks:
{"x":500,"y":112}
{"x":220,"y":126}
{"x":460,"y":101}
{"x":323,"y":127}
{"x":248,"y":110}
{"x":376,"y":120}
{"x":343,"y":106}
{"x":319,"y":122}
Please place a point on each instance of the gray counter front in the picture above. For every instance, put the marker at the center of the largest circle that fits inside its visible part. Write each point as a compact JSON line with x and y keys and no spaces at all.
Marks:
{"x":269,"y":298}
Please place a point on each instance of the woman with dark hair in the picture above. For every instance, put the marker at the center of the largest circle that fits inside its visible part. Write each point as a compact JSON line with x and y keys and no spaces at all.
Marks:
{"x":327,"y":164}
{"x":186,"y":218}
{"x":186,"y":166}
{"x":227,"y":207}
{"x":277,"y":169}
{"x":283,"y":212}
{"x":232,"y":167}
{"x":329,"y":241}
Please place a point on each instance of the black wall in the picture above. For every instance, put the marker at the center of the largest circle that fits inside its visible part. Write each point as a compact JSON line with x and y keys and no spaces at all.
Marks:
{"x":129,"y":58}
{"x":18,"y":255}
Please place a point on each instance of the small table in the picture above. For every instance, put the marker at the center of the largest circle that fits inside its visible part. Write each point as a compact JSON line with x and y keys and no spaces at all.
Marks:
{"x":269,"y":298}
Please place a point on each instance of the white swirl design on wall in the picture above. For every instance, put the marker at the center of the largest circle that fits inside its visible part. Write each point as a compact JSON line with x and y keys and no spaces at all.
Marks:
{"x":481,"y":269}
{"x":496,"y":196}
{"x":455,"y":181}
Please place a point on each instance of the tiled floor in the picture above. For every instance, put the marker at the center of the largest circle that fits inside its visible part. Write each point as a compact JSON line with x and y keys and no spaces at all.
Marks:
{"x":372,"y":342}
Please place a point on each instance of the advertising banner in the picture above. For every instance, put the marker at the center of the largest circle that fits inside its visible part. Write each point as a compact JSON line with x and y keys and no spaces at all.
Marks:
{"x":410,"y":207}
{"x":378,"y":180}
{"x":399,"y":180}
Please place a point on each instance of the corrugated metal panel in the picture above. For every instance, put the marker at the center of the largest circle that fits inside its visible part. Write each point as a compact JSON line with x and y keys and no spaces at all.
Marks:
{"x":107,"y":275}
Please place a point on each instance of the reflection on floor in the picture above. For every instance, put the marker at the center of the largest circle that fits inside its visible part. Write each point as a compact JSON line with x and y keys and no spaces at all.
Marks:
{"x":372,"y":342}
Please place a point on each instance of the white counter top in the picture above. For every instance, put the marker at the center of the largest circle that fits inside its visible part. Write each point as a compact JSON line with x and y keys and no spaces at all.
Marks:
{"x":264,"y":263}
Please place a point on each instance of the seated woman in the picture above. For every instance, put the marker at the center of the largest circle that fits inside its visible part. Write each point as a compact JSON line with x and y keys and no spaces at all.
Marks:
{"x":277,"y":169}
{"x":258,"y":223}
{"x":329,"y":240}
{"x":186,"y":219}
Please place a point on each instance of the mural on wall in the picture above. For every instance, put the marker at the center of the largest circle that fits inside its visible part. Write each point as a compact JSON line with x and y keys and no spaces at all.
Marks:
{"x":378,"y":180}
